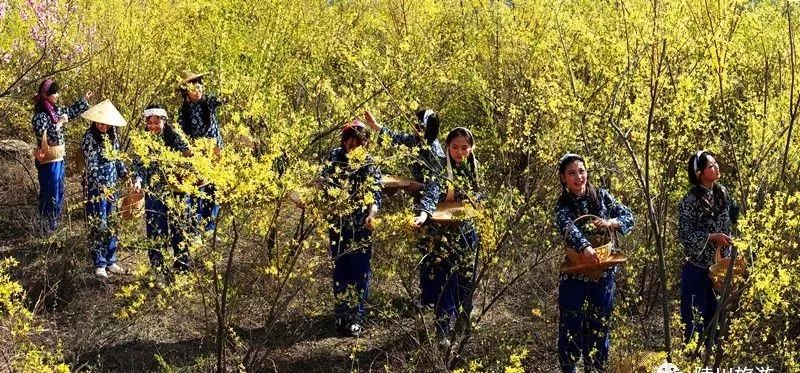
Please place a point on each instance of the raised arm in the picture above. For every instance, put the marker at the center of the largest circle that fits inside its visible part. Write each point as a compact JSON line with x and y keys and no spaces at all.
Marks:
{"x":77,"y":108}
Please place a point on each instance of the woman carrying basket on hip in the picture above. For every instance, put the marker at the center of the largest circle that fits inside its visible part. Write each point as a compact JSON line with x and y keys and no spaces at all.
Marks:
{"x":48,"y":124}
{"x":585,"y":302}
{"x":705,"y":217}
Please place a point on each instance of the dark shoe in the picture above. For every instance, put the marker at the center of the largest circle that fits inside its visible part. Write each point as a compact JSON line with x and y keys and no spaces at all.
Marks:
{"x":181,"y":266}
{"x":340,"y":323}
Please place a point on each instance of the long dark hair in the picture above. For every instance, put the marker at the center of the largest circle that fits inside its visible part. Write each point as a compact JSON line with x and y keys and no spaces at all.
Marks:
{"x":568,"y":198}
{"x":98,"y":136}
{"x":429,"y":128}
{"x":203,"y":102}
{"x":695,"y":166}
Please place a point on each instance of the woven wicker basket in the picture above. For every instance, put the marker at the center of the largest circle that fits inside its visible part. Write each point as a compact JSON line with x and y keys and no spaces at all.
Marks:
{"x":602,"y":244}
{"x":719,"y":269}
{"x":132,"y":205}
{"x":49,"y":153}
{"x":392,"y":184}
{"x":450,"y":213}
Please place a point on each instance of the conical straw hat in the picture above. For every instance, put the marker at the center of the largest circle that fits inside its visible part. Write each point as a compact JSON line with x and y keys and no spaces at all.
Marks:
{"x":105,"y":113}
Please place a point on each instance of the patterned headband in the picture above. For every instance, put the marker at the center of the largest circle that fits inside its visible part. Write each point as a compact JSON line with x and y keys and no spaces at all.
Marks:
{"x":427,"y":115}
{"x":567,"y":156}
{"x":155,"y":111}
{"x":47,"y":84}
{"x":697,"y":159}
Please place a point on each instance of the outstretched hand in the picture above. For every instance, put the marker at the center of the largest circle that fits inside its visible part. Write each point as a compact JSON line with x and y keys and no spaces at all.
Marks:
{"x":607,"y":224}
{"x":420,"y":220}
{"x":371,"y":122}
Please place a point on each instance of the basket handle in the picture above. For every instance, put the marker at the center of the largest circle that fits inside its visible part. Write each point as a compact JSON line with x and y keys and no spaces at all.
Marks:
{"x":44,"y":144}
{"x":718,"y":253}
{"x":586,"y":216}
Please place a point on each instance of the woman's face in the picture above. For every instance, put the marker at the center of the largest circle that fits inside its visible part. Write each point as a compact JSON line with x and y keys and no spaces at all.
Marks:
{"x":155,"y":124}
{"x":711,"y":173}
{"x":101,"y":127}
{"x":52,"y":99}
{"x":194,"y":91}
{"x":459,"y":148}
{"x":575,"y":177}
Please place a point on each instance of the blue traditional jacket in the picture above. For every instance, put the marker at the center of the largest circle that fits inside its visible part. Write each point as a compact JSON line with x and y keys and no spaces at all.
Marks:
{"x":464,"y":183}
{"x":55,"y":135}
{"x":571,"y":207}
{"x":698,"y":218}
{"x":173,"y":141}
{"x":425,"y":168}
{"x":103,"y":166}
{"x":451,"y":240}
{"x":201,"y":121}
{"x":359,"y":181}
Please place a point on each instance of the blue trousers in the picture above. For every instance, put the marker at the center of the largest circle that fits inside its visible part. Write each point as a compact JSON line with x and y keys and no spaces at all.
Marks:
{"x":164,"y":227}
{"x":51,"y":194}
{"x":351,"y":251}
{"x":428,"y":292}
{"x":697,"y":300}
{"x":102,"y":228}
{"x":206,"y":209}
{"x":447,"y":274}
{"x":584,"y":328}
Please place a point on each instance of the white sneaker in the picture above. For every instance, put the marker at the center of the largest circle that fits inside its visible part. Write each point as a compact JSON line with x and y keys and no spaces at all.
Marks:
{"x":100,"y":272}
{"x":115,"y":268}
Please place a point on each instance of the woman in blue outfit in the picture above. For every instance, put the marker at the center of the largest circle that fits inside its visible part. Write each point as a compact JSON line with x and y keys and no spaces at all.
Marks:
{"x":705,"y":217}
{"x":104,"y":169}
{"x":350,"y":223}
{"x":198,"y":119}
{"x":166,"y":212}
{"x":426,"y":169}
{"x":448,"y":268}
{"x":585,"y":305}
{"x":48,"y":125}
